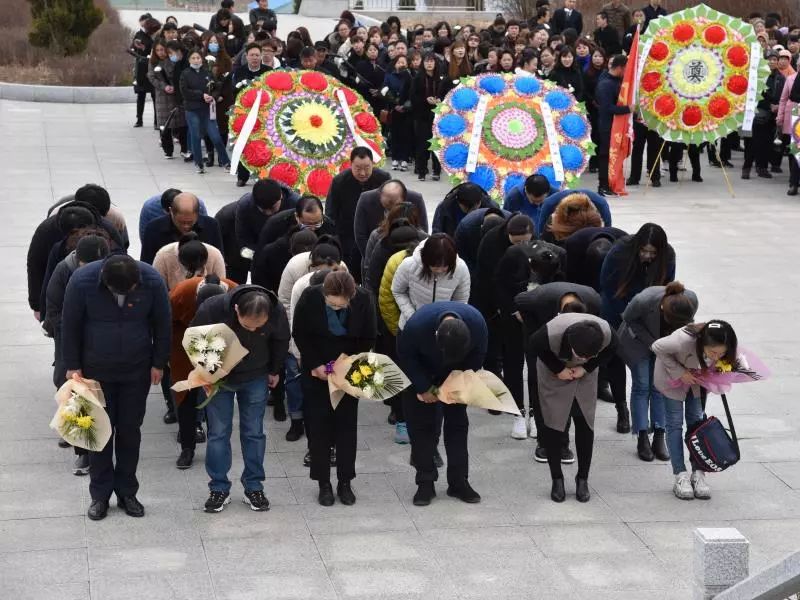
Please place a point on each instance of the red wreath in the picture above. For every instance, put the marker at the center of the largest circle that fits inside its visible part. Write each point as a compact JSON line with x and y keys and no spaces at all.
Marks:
{"x":279,"y":80}
{"x":692,"y":115}
{"x":715,"y":35}
{"x":659,"y":51}
{"x":257,"y":153}
{"x":719,"y":107}
{"x":374,"y":146}
{"x":737,"y":85}
{"x":349,"y":96}
{"x":737,"y":56}
{"x":665,"y":105}
{"x":366,"y":122}
{"x":249,"y":97}
{"x":314,"y":81}
{"x":683,"y":33}
{"x":285,"y":173}
{"x":319,"y":181}
{"x":651,"y":81}
{"x":238,"y":123}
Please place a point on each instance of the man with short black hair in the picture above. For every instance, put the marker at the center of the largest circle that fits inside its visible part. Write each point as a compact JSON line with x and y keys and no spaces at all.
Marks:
{"x":606,"y":36}
{"x":528,"y":197}
{"x":116,"y":329}
{"x":340,"y":204}
{"x":268,"y":197}
{"x":308,"y":58}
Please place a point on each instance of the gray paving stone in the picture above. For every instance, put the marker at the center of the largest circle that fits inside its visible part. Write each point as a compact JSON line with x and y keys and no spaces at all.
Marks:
{"x":165,"y":560}
{"x":558,"y":541}
{"x":171,"y":586}
{"x":42,"y":534}
{"x":308,"y":583}
{"x":31,"y":590}
{"x":45,"y":567}
{"x":392,"y":580}
{"x":231,"y":557}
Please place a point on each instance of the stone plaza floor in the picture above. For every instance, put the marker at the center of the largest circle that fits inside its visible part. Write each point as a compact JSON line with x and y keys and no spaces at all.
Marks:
{"x":632,"y":541}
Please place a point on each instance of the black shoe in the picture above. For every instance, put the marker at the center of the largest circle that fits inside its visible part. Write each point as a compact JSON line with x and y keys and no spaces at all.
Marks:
{"x":138,"y":124}
{"x":62,"y":443}
{"x":606,"y":192}
{"x":660,"y":445}
{"x":792,"y":191}
{"x":643,"y":448}
{"x":776,"y":170}
{"x":631,"y":182}
{"x":696,"y":177}
{"x":623,"y":420}
{"x":98,"y":510}
{"x":81,"y":465}
{"x":540,"y":455}
{"x":209,"y":161}
{"x":494,"y":413}
{"x":333,"y":457}
{"x":240,"y":183}
{"x":715,"y":163}
{"x":764,"y":173}
{"x":185,"y":459}
{"x":199,"y":434}
{"x":421,"y":177}
{"x":326,"y":494}
{"x":307,"y":459}
{"x":582,"y":490}
{"x":745,"y":173}
{"x":279,"y":412}
{"x":437,"y":459}
{"x":425,"y":493}
{"x":673,"y":178}
{"x":604,"y":393}
{"x":436,"y":177}
{"x":216,"y":502}
{"x":392,"y":418}
{"x":655,"y":183}
{"x":256,"y":500}
{"x":345,"y":493}
{"x":557,"y":491}
{"x":727,"y":163}
{"x":131,"y":506}
{"x":169,"y":417}
{"x":188,"y":158}
{"x":296,"y":430}
{"x":567,"y":457}
{"x":464,"y":492}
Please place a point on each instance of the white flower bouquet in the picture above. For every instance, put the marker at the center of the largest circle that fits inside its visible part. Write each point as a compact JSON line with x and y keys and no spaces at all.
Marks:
{"x":482,"y":389}
{"x":213,"y":350}
{"x":81,"y":418}
{"x":368,"y":376}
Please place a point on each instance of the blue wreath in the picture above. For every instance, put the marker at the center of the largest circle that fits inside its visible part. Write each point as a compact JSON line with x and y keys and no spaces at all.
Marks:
{"x":512,"y":181}
{"x":527,"y":85}
{"x":573,"y":126}
{"x":455,"y":155}
{"x":558,"y":100}
{"x":484,"y":177}
{"x":571,"y":157}
{"x":464,"y":99}
{"x":494,"y":84}
{"x":451,"y":125}
{"x":550,"y":173}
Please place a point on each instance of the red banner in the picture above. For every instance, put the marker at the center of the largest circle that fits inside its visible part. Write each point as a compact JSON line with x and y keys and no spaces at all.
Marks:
{"x":622,"y":126}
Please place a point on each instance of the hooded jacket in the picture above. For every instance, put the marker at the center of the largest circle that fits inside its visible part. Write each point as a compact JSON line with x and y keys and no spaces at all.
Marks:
{"x":267,"y":346}
{"x":412,"y":291}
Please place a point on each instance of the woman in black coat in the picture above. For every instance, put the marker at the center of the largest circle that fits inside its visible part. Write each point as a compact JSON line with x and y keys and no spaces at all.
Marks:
{"x":141,"y":46}
{"x":331,"y":319}
{"x":428,"y":88}
{"x":370,"y":78}
{"x":567,"y":73}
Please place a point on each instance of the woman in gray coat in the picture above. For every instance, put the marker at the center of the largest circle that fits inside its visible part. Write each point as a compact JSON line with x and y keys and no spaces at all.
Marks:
{"x":569,"y":349}
{"x":653,"y":313}
{"x":678,"y":358}
{"x":161,"y":74}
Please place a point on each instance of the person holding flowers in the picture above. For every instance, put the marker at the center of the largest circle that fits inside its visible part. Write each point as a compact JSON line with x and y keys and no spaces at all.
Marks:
{"x":329,"y":320}
{"x":681,"y":359}
{"x":259,"y":322}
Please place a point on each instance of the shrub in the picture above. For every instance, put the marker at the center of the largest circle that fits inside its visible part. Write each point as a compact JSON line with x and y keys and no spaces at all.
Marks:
{"x":63,"y":26}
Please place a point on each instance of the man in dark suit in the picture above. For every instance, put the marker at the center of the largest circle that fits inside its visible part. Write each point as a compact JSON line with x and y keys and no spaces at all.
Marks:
{"x":566,"y":18}
{"x":606,"y":36}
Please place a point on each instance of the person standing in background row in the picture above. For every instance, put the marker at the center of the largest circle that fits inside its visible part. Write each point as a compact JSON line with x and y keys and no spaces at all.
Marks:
{"x":606,"y":95}
{"x":141,"y":46}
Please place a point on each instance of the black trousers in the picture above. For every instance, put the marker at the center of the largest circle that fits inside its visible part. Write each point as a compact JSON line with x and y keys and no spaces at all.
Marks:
{"x":126,"y":402}
{"x":423,"y":132}
{"x":166,"y":140}
{"x":602,"y":165}
{"x":141,"y":98}
{"x":759,"y":149}
{"x":387,"y":344}
{"x":188,"y":417}
{"x":402,"y":128}
{"x":513,"y":355}
{"x":641,"y":136}
{"x":493,"y":361}
{"x":536,"y":407}
{"x":676,"y":155}
{"x":584,"y":445}
{"x":328,"y":428}
{"x":614,"y":373}
{"x":423,"y":429}
{"x":794,"y":172}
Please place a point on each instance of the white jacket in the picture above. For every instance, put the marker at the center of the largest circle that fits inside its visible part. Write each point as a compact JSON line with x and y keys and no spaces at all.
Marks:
{"x":297,"y":266}
{"x":297,"y":290}
{"x":411,"y":291}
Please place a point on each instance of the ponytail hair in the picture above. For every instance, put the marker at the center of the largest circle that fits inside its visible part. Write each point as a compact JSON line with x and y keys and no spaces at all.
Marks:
{"x":678,"y":308}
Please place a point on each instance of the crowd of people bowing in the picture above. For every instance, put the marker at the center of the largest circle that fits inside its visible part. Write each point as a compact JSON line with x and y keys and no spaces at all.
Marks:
{"x":545,"y":279}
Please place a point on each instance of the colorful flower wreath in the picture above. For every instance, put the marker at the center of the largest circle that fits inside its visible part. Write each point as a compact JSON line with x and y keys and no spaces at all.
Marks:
{"x":514,"y":141}
{"x":302,"y":137}
{"x":794,"y":148}
{"x":695,"y":77}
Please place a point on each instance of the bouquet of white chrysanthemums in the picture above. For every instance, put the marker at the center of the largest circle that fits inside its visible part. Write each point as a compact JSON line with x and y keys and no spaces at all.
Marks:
{"x":213,"y":350}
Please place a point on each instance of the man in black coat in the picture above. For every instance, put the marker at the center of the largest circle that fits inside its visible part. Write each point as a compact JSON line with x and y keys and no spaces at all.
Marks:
{"x":342,"y":199}
{"x":606,"y":36}
{"x":653,"y":10}
{"x":268,"y":198}
{"x":586,"y":249}
{"x":141,"y":45}
{"x":537,"y":307}
{"x":606,"y":96}
{"x":184,"y":216}
{"x":566,"y":18}
{"x":236,"y":267}
{"x":457,"y":204}
{"x":116,"y":328}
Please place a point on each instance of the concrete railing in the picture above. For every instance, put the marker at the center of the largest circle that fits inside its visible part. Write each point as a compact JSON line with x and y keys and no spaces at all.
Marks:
{"x":66,"y":94}
{"x":721,"y":568}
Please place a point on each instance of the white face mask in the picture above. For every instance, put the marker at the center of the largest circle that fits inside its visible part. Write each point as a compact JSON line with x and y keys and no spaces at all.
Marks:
{"x":196,"y":67}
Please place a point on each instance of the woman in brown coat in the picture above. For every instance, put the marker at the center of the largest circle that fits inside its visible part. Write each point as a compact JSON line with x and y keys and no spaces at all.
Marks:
{"x":184,"y":299}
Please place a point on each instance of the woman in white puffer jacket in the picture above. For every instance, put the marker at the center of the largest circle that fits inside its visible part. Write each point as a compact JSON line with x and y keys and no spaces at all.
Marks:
{"x":434,"y":273}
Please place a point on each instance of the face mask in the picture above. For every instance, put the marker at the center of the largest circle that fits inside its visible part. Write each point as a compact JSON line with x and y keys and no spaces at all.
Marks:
{"x":213,"y":48}
{"x":173,"y":58}
{"x":196,"y":67}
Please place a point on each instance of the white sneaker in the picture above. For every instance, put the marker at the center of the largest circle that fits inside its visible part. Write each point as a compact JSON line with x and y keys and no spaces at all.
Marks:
{"x":404,"y":166}
{"x":702,"y":491}
{"x":395,"y":164}
{"x":683,"y":487}
{"x":519,"y":430}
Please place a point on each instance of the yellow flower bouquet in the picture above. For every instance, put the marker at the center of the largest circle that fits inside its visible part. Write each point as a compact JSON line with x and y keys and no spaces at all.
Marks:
{"x":81,"y":418}
{"x":368,"y":376}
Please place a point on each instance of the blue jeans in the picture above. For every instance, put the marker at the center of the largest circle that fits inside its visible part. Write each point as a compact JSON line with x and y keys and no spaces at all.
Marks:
{"x":200,"y":125}
{"x":252,"y":397}
{"x":675,"y":411}
{"x":644,"y":395}
{"x":294,"y":391}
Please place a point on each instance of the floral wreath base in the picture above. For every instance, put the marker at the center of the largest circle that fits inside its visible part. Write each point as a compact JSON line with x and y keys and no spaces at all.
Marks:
{"x":302,"y":137}
{"x":695,"y":77}
{"x":514,"y":142}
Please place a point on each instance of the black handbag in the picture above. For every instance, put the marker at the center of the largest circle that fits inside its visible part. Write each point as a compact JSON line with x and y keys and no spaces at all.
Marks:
{"x":710,"y":446}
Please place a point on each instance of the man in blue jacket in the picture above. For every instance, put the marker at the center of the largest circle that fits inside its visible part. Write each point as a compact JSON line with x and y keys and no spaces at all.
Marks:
{"x":528,"y":197}
{"x":437,"y":339}
{"x":115,"y":328}
{"x":548,"y":207}
{"x":606,"y":96}
{"x":158,"y":206}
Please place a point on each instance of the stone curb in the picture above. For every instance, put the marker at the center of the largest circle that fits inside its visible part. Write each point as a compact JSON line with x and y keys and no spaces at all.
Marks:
{"x":67,"y":94}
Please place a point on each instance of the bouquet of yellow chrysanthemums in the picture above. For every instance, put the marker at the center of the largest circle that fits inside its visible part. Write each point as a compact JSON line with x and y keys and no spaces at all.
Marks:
{"x":81,"y":418}
{"x":368,"y":376}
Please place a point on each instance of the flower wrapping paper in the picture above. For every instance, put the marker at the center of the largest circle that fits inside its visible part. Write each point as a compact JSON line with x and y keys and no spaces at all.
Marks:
{"x":93,"y":393}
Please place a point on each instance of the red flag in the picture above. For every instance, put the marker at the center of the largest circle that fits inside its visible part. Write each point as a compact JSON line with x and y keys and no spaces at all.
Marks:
{"x":622,"y":126}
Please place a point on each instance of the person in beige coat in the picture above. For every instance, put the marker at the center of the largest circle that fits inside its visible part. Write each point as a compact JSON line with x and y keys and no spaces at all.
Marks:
{"x":179,"y":261}
{"x":679,"y":357}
